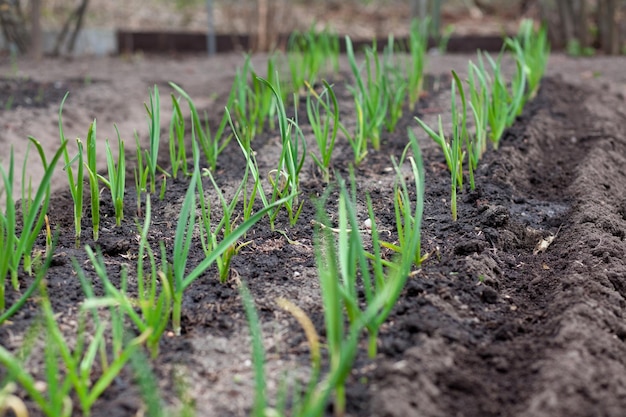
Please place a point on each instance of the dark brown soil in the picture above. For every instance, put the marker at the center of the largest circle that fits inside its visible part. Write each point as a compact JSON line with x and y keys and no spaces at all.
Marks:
{"x":25,"y":92}
{"x":494,"y":330}
{"x":484,"y":328}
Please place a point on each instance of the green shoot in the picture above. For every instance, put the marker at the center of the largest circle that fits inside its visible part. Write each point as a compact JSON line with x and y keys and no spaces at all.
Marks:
{"x":262,"y":104}
{"x":408,"y":221}
{"x":226,"y":225}
{"x":352,"y":258}
{"x":533,"y":50}
{"x":291,"y":159}
{"x":164,"y":177}
{"x":394,"y":86}
{"x":147,"y":383}
{"x":470,"y":141}
{"x":39,"y":275}
{"x":418,"y":43}
{"x":357,"y":140}
{"x":154,"y":112}
{"x":337,"y":269}
{"x":504,"y":106}
{"x":182,"y":243}
{"x":26,"y":194}
{"x":56,"y":402}
{"x":93,"y":178}
{"x":154,"y":308}
{"x":497,"y":111}
{"x":116,"y":183}
{"x":302,"y":405}
{"x":211,"y":145}
{"x":342,"y":342}
{"x":244,"y":125}
{"x":78,"y":363}
{"x":141,"y":172}
{"x":258,"y":352}
{"x":324,"y":128}
{"x":452,"y":149}
{"x":178,"y":152}
{"x":328,"y":267}
{"x":517,"y":96}
{"x":410,"y":246}
{"x":149,"y":312}
{"x":309,"y":54}
{"x":252,"y":169}
{"x":8,"y":105}
{"x":479,"y":103}
{"x":296,"y":61}
{"x":370,"y":93}
{"x":251,"y":103}
{"x":444,"y":38}
{"x":18,"y":247}
{"x":75,"y":182}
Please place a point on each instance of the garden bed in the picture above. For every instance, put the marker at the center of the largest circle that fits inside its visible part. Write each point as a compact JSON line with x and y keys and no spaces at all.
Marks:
{"x":488,"y":325}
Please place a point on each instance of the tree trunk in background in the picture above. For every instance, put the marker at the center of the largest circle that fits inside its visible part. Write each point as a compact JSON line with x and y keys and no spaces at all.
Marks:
{"x":600,"y":22}
{"x":36,"y":47}
{"x":582,"y":24}
{"x":609,"y":37}
{"x":567,"y":21}
{"x":14,"y":24}
{"x":574,"y":22}
{"x":77,"y":18}
{"x":262,"y":41}
{"x":80,"y":13}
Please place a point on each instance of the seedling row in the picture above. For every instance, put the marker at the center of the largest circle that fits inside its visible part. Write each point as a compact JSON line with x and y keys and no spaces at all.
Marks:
{"x":128,"y":320}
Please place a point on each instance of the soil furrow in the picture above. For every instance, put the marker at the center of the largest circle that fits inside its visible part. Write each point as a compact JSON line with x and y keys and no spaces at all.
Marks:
{"x":550,"y":319}
{"x":585,"y":350}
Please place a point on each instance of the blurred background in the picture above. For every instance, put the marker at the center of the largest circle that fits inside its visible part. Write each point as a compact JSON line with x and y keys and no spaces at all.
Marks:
{"x":65,"y":27}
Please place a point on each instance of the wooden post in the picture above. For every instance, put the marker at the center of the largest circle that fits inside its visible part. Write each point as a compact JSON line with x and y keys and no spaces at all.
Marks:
{"x":36,"y":51}
{"x":262,"y":43}
{"x":419,"y":9}
{"x":436,"y":19}
{"x":210,"y":40}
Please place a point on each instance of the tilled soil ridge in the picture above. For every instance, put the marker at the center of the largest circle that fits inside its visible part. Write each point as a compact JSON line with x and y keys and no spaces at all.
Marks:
{"x":548,"y":339}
